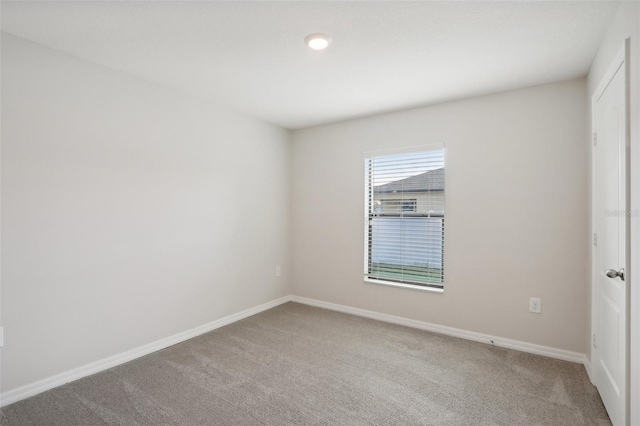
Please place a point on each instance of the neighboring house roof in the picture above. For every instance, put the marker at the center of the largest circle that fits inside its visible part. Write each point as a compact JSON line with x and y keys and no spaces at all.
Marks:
{"x":432,"y":180}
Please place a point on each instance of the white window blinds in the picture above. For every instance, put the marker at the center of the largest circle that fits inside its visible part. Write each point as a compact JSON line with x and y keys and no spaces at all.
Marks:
{"x":404,"y":237}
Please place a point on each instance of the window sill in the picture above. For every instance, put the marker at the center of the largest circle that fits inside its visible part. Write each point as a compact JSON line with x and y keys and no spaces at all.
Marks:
{"x":407,"y":286}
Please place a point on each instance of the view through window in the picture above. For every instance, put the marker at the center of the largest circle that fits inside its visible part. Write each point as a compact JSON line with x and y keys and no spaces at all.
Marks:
{"x":405,"y":217}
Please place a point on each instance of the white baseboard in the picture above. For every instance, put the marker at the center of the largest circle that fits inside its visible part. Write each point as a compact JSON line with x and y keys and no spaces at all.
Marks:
{"x":587,"y":366}
{"x":112,"y":361}
{"x":450,"y":331}
{"x":104,"y":364}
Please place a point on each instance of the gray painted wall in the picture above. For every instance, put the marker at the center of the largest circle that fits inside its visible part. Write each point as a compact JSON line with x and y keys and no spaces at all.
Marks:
{"x":517,"y":211}
{"x":125,"y":214}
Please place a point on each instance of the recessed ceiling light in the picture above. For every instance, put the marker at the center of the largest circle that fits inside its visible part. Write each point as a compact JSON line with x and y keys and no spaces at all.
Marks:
{"x":317,"y":41}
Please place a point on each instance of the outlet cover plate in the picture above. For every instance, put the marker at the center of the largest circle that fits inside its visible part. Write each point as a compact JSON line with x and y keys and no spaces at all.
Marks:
{"x":535,"y":305}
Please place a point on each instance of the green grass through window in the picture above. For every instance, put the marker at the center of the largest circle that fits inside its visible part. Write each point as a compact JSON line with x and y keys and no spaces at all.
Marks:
{"x":419,"y":274}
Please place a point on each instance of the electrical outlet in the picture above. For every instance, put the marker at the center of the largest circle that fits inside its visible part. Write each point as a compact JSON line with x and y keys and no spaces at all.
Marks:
{"x":278,"y":271}
{"x":535,"y":305}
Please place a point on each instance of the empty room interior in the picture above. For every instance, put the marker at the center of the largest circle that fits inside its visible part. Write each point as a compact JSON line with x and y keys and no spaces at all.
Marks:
{"x":320,"y":213}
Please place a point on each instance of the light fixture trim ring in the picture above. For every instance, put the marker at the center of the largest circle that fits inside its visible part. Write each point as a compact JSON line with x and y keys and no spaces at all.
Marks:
{"x":318,"y":41}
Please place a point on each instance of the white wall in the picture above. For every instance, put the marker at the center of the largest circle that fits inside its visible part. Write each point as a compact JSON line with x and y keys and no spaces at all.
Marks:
{"x":130,"y":212}
{"x":516,"y":213}
{"x":626,"y":24}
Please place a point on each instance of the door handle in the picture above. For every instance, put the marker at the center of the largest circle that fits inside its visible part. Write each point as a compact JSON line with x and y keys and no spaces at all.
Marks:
{"x":612,"y":273}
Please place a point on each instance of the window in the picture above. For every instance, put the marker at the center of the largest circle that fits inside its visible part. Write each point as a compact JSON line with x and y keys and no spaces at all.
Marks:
{"x":397,"y":205}
{"x":404,"y":236}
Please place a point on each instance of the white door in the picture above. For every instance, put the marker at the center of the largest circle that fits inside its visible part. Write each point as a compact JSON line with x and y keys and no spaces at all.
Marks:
{"x":610,"y":306}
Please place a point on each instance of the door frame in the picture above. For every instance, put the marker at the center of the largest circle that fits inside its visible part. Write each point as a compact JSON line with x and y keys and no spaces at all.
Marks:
{"x":621,"y":59}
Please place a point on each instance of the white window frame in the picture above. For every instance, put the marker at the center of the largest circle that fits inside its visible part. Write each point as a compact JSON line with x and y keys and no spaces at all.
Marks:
{"x":433,"y":288}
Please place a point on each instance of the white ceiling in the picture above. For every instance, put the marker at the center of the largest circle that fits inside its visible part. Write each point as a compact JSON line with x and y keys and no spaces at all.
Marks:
{"x":385,"y":55}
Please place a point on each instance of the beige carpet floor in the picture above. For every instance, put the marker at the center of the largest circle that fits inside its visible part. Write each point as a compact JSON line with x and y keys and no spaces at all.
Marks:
{"x":298,"y":365}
